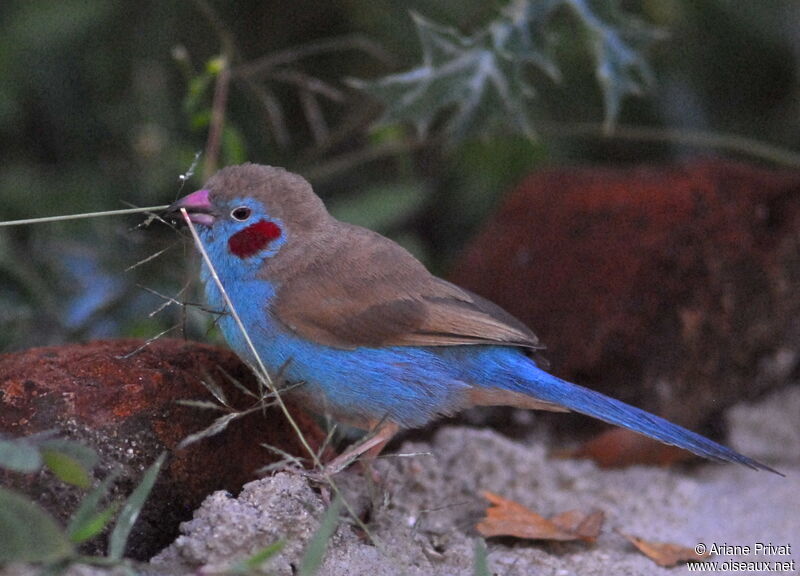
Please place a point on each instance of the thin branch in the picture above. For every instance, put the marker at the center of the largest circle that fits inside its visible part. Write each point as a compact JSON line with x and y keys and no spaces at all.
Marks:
{"x":220,"y":100}
{"x":359,"y":116}
{"x":727,"y":142}
{"x":225,"y":36}
{"x":348,"y":161}
{"x":314,"y":116}
{"x":275,"y":116}
{"x":358,"y":42}
{"x":217,"y":124}
{"x":308,"y":83}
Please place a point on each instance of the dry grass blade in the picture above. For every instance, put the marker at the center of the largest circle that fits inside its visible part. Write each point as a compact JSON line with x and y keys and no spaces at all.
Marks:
{"x":215,"y":428}
{"x":216,"y":391}
{"x":168,"y":300}
{"x":286,"y":458}
{"x":237,"y":384}
{"x":147,"y":343}
{"x":83,"y":215}
{"x":263,"y":374}
{"x":200,"y":404}
{"x":148,"y":258}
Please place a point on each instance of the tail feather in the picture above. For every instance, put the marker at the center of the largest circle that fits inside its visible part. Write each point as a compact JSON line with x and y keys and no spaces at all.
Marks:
{"x":549,"y":388}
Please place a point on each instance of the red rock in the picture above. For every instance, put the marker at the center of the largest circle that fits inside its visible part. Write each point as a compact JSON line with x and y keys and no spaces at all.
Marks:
{"x":126,"y":408}
{"x":676,"y":288}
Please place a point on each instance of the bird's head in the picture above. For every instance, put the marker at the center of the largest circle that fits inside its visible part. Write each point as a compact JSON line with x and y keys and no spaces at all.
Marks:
{"x":249,"y":211}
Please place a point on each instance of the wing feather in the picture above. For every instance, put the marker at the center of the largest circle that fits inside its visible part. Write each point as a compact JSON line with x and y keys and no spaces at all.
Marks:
{"x":358,"y":288}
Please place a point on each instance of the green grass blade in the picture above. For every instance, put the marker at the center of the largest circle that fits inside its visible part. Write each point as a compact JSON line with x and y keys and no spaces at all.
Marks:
{"x":318,"y":545}
{"x":253,"y":562}
{"x":480,"y":560}
{"x":87,"y":521}
{"x":92,"y":525}
{"x":131,"y":509}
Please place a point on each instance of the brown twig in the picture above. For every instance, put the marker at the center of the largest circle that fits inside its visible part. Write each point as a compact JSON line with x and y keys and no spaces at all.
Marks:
{"x":308,"y":83}
{"x":265,"y":64}
{"x":314,"y":117}
{"x":348,"y":161}
{"x":217,"y":124}
{"x":359,"y":116}
{"x":726,"y":142}
{"x":220,"y":101}
{"x":272,"y":109}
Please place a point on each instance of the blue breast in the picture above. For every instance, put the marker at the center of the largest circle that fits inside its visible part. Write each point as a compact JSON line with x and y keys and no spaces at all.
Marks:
{"x":407,"y":385}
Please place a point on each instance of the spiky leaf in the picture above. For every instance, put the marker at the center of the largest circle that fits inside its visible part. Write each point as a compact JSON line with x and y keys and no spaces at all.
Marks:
{"x":616,"y":43}
{"x":464,"y":76}
{"x":473,"y":84}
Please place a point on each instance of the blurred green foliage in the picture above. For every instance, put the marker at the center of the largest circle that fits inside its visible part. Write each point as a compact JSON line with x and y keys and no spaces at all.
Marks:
{"x":29,"y":533}
{"x":105,"y":103}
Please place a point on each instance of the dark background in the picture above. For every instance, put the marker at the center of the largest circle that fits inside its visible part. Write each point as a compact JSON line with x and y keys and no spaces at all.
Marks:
{"x":102,"y":106}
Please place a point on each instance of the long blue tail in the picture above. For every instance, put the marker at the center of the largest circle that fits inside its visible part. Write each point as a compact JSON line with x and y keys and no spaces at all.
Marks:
{"x":545,"y":386}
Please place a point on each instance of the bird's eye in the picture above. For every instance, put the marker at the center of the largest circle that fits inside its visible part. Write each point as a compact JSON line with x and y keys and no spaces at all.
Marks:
{"x":241,"y":213}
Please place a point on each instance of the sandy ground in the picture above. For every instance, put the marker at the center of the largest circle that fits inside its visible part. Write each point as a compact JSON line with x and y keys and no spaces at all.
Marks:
{"x":424,"y":512}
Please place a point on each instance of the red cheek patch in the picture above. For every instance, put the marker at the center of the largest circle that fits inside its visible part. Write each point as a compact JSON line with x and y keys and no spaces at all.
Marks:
{"x":253,"y":239}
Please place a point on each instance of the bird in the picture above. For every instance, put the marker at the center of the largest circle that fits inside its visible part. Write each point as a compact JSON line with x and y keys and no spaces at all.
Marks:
{"x":363,"y":332}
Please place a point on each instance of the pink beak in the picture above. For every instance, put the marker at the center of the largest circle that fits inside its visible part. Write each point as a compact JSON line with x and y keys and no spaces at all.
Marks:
{"x":198,"y":207}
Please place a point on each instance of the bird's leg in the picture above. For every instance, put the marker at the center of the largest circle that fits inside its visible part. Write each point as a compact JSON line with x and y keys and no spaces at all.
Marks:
{"x":369,"y":447}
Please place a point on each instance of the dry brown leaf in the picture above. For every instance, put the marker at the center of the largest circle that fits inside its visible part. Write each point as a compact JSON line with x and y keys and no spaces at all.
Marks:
{"x":508,"y":518}
{"x":620,"y":448}
{"x":585,"y":526}
{"x":664,"y":553}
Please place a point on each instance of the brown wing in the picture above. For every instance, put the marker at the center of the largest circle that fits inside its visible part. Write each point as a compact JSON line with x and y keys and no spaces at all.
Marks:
{"x":358,"y":288}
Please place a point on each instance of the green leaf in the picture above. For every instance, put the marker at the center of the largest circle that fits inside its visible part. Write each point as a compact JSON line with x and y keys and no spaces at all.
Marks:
{"x":70,"y":461}
{"x":480,"y":561}
{"x":87,"y":522}
{"x":20,"y":455}
{"x":198,"y":88}
{"x":315,"y":550}
{"x":215,"y":65}
{"x":67,"y":468}
{"x":28,"y":533}
{"x":80,"y":452}
{"x":254,"y":561}
{"x":131,"y":509}
{"x":234,"y":149}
